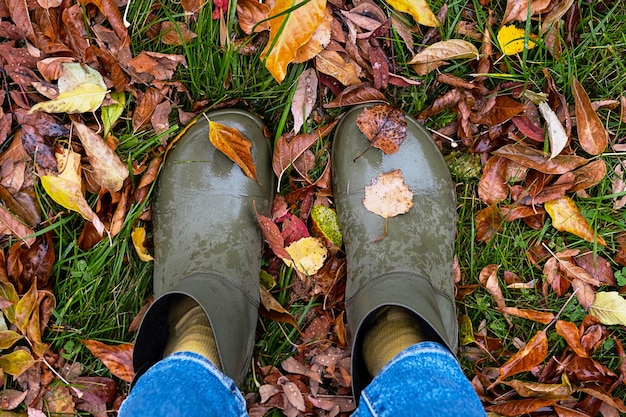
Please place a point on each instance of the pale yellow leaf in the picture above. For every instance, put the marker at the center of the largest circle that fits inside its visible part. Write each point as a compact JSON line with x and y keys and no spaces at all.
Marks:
{"x":556,"y":131}
{"x":511,"y":40}
{"x":437,"y":53}
{"x":85,"y":98}
{"x":289,"y":30}
{"x":108,"y":169}
{"x":419,"y":9}
{"x":139,"y":237}
{"x":388,"y":195}
{"x":308,"y":255}
{"x":609,"y":307}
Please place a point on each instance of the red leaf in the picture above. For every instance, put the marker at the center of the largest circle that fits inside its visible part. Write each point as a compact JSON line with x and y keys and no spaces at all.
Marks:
{"x":272,"y":235}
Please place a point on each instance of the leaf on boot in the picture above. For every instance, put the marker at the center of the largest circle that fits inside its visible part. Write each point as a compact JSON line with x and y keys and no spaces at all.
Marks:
{"x":388,"y":196}
{"x":384,"y":126}
{"x":234,"y":145}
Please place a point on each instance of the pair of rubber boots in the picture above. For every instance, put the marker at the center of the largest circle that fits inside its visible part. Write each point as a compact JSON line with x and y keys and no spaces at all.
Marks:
{"x":208,"y":243}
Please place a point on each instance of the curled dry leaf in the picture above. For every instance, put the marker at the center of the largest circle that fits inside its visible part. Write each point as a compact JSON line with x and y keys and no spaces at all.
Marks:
{"x":535,"y":159}
{"x":384,"y":126}
{"x":234,"y":145}
{"x":571,"y":334}
{"x":118,"y":359}
{"x":250,"y":14}
{"x":592,"y":135}
{"x":526,"y":358}
{"x":566,"y":217}
{"x":356,"y":94}
{"x":538,"y":390}
{"x":272,"y":309}
{"x":556,"y":131}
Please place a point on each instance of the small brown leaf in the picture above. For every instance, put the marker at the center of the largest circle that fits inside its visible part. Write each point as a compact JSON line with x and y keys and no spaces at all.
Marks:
{"x":539,"y":390}
{"x":533,"y":158}
{"x":566,"y":217}
{"x":145,"y":108}
{"x":118,"y":359}
{"x":503,"y":109}
{"x":234,"y":145}
{"x":488,"y":222}
{"x":526,"y":358}
{"x":250,"y":14}
{"x":492,"y":186}
{"x":384,"y":126}
{"x":272,"y":309}
{"x":176,"y":33}
{"x":571,"y":334}
{"x":356,"y":94}
{"x":520,"y":407}
{"x":585,"y":293}
{"x":592,"y":135}
{"x":588,"y":175}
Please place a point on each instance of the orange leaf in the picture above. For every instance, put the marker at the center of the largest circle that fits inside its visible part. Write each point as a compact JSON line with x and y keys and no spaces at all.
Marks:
{"x":289,"y":30}
{"x":570,"y":332}
{"x":520,"y":407}
{"x":526,"y":358}
{"x":118,"y":359}
{"x":234,"y":145}
{"x":592,"y":135}
{"x":566,"y":217}
{"x":384,"y":126}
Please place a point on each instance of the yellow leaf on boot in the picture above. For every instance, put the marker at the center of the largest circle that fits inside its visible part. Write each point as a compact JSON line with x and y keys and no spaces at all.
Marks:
{"x":234,"y":145}
{"x":566,"y":217}
{"x":419,"y":9}
{"x":289,"y":30}
{"x":308,"y":255}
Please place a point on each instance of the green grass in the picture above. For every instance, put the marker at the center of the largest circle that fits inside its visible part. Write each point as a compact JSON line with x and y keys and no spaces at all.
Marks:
{"x":99,"y":291}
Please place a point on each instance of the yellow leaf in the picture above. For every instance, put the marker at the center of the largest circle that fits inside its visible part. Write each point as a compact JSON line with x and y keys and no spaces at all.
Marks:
{"x":108,"y":170}
{"x":308,"y":255}
{"x":419,"y":9}
{"x":436,"y":54}
{"x":511,"y":40}
{"x":319,"y":39}
{"x":15,"y":363}
{"x":84,"y":98}
{"x":566,"y":217}
{"x":289,"y":30}
{"x":609,"y":307}
{"x":234,"y":145}
{"x":331,"y":63}
{"x":8,"y":338}
{"x":66,"y":188}
{"x":139,"y":237}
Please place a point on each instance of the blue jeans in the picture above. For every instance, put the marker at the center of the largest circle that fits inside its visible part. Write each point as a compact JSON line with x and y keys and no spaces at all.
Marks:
{"x":424,"y":380}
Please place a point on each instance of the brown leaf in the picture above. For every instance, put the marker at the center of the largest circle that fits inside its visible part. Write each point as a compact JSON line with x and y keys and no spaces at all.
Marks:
{"x":110,"y":10}
{"x":602,"y":395}
{"x":571,"y":334}
{"x":526,"y":358}
{"x":118,"y":359}
{"x":588,"y":175}
{"x":566,"y":217}
{"x":291,"y":365}
{"x":160,"y":66}
{"x":384,"y":126}
{"x":488,"y":222}
{"x":97,"y":393}
{"x":592,"y":135}
{"x":20,"y":16}
{"x":10,"y":399}
{"x":144,"y":110}
{"x":585,"y":293}
{"x":333,"y":64}
{"x":489,"y":279}
{"x":176,"y":33}
{"x":520,"y":407}
{"x":250,"y":13}
{"x":503,"y":109}
{"x":538,"y":316}
{"x":356,"y":94}
{"x":492,"y":186}
{"x":533,"y":158}
{"x":36,"y":146}
{"x":231,"y":142}
{"x":599,"y":268}
{"x":9,"y":224}
{"x":272,"y":309}
{"x":539,"y":390}
{"x":304,"y":98}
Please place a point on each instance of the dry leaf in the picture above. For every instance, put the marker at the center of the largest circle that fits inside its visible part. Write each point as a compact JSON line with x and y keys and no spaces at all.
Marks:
{"x":556,"y":131}
{"x":16,"y":362}
{"x":319,"y":39}
{"x":250,"y":13}
{"x":272,"y":309}
{"x":160,"y":66}
{"x":511,"y":40}
{"x":331,"y":63}
{"x":526,"y":358}
{"x":566,"y":217}
{"x":419,"y":9}
{"x":234,"y":145}
{"x":492,"y":186}
{"x":384,"y":126}
{"x":519,"y":9}
{"x":118,"y":359}
{"x":514,"y":408}
{"x":304,"y":98}
{"x":138,"y":237}
{"x":538,"y":390}
{"x":535,"y":159}
{"x":609,"y":307}
{"x":289,"y":31}
{"x":356,"y":94}
{"x":272,"y":235}
{"x":307,"y":255}
{"x":592,"y":135}
{"x":176,"y":33}
{"x":571,"y":334}
{"x":432,"y":56}
{"x":108,"y":170}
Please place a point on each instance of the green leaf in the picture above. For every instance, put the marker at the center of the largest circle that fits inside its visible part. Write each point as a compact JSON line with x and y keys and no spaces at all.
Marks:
{"x":15,"y":363}
{"x":327,"y":223}
{"x":112,"y":112}
{"x":609,"y":307}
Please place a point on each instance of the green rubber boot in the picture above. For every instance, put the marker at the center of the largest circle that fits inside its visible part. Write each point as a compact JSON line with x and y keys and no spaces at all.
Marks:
{"x":411,"y":266}
{"x":207,"y":241}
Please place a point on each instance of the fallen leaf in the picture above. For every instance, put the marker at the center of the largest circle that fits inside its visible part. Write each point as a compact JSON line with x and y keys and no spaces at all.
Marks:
{"x":107,"y":168}
{"x":609,"y":307}
{"x":519,"y":9}
{"x":118,"y":359}
{"x":585,"y":293}
{"x":503,"y":109}
{"x":555,"y":14}
{"x":145,"y":108}
{"x":234,"y":145}
{"x":388,"y":196}
{"x":138,"y":237}
{"x":307,"y":255}
{"x":538,"y":390}
{"x":304,"y":98}
{"x":272,"y":309}
{"x":571,"y":334}
{"x":11,"y":399}
{"x":293,"y":395}
{"x":384,"y":126}
{"x":333,"y":64}
{"x":16,"y":362}
{"x":176,"y":33}
{"x":356,"y":94}
{"x":566,"y":217}
{"x":272,"y":235}
{"x":293,"y":229}
{"x":432,"y":56}
{"x":292,"y":24}
{"x":492,"y":186}
{"x":8,"y":338}
{"x":556,"y":131}
{"x":13,"y":226}
{"x":589,"y":175}
{"x":488,"y":222}
{"x":160,"y":66}
{"x":111,"y":113}
{"x":515,"y":408}
{"x":526,"y":358}
{"x":592,"y":135}
{"x":418,"y":9}
{"x":535,"y":159}
{"x":251,"y":15}
{"x":325,"y":221}
{"x":320,"y":38}
{"x":512,"y":40}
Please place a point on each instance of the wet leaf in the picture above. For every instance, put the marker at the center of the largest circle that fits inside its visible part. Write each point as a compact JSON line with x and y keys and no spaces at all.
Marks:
{"x":333,"y":64}
{"x":272,"y":235}
{"x":609,"y":307}
{"x":289,"y":31}
{"x":432,"y":56}
{"x":388,"y":196}
{"x":176,"y":33}
{"x":592,"y":135}
{"x":503,"y":109}
{"x":304,"y":98}
{"x":589,"y":175}
{"x":384,"y":126}
{"x":25,"y":307}
{"x":250,"y":13}
{"x":325,"y":221}
{"x":535,"y":159}
{"x":272,"y":309}
{"x":418,"y":9}
{"x":138,"y":237}
{"x":118,"y":359}
{"x":356,"y":94}
{"x":566,"y":217}
{"x":571,"y":334}
{"x":319,"y":39}
{"x":307,"y":255}
{"x":488,"y":222}
{"x":542,"y":317}
{"x":234,"y":145}
{"x":293,"y":229}
{"x":107,"y":168}
{"x":66,"y":188}
{"x":16,"y":363}
{"x":111,"y":113}
{"x":526,"y":358}
{"x":538,"y":390}
{"x":492,"y":186}
{"x":511,"y":40}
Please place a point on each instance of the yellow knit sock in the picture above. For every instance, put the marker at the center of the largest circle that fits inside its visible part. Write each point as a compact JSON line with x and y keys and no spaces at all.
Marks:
{"x":190,"y":331}
{"x":394,"y":330}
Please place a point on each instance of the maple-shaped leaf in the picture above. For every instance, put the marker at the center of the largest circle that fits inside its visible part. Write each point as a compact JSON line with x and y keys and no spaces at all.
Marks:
{"x":307,"y":255}
{"x":118,"y":359}
{"x":592,"y":135}
{"x":292,"y":24}
{"x":388,"y":196}
{"x":418,"y":9}
{"x":138,"y":237}
{"x":609,"y":307}
{"x":81,"y":90}
{"x":66,"y":188}
{"x":384,"y":126}
{"x":512,"y":40}
{"x":234,"y":145}
{"x":566,"y":217}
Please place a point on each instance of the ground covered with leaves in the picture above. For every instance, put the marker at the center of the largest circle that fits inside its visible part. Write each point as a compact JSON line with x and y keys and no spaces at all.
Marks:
{"x":525,"y":99}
